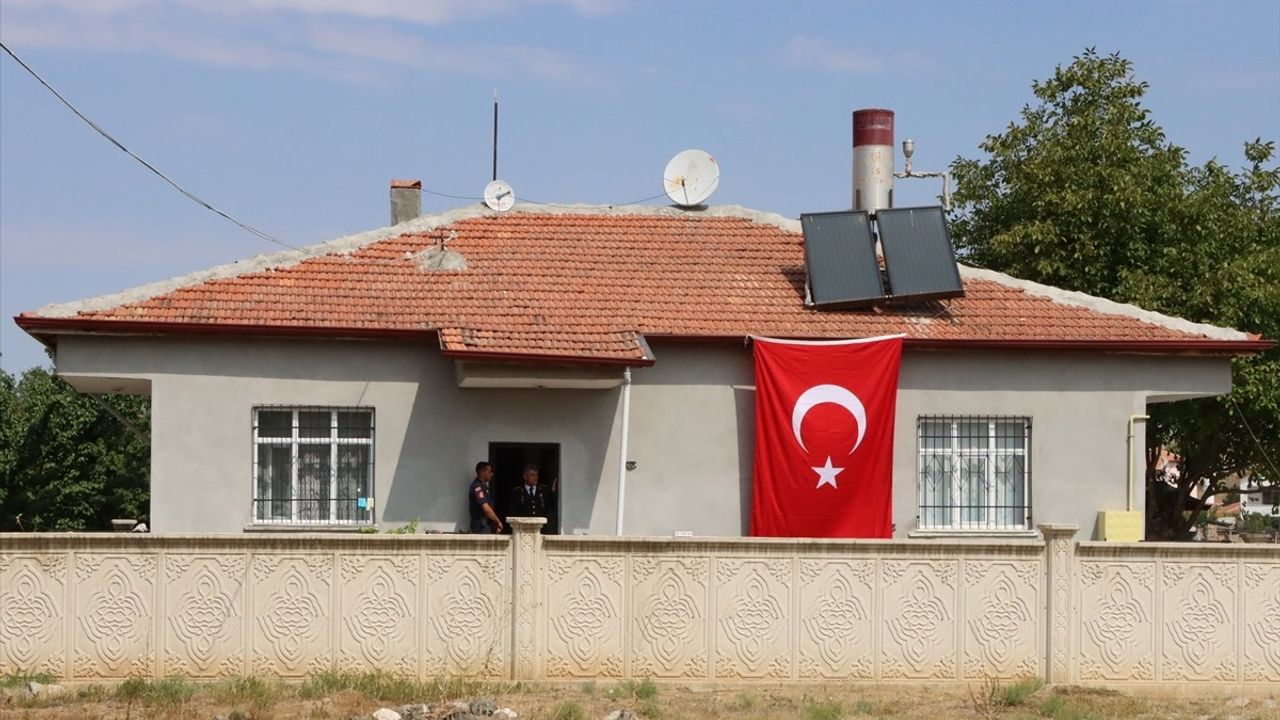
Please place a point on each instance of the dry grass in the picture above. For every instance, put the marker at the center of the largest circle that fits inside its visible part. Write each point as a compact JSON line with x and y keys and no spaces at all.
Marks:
{"x":334,"y":696}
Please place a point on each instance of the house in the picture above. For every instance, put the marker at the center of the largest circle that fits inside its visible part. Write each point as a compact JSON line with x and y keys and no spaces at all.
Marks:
{"x":357,"y":382}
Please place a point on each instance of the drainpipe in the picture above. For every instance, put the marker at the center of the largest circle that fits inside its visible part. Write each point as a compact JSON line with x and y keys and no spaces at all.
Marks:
{"x":1129,"y":448}
{"x":622,"y":447}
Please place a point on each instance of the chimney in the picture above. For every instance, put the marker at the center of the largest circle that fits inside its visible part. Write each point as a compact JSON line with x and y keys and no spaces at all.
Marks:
{"x":872,"y":159}
{"x":406,"y":200}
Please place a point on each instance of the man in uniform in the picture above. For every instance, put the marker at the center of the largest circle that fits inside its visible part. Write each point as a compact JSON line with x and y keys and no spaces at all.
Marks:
{"x":530,"y":499}
{"x":480,"y":499}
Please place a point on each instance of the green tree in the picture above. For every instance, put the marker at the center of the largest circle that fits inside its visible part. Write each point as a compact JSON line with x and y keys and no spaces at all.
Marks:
{"x":1085,"y":192}
{"x":66,"y":463}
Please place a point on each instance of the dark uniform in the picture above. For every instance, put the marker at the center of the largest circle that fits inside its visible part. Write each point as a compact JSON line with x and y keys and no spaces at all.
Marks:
{"x":530,"y":501}
{"x":478,"y":494}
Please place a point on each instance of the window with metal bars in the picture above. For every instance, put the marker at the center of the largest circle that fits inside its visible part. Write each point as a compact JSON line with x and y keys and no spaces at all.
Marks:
{"x":313,"y":465}
{"x":975,"y":473}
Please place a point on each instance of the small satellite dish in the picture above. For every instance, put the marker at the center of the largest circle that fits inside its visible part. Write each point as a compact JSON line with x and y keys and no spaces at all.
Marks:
{"x":691,"y":177}
{"x":499,"y":196}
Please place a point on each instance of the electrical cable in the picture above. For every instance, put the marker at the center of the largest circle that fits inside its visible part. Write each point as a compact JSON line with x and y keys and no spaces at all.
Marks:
{"x":453,"y":197}
{"x":201,"y":201}
{"x":98,"y":128}
{"x":1276,"y":477}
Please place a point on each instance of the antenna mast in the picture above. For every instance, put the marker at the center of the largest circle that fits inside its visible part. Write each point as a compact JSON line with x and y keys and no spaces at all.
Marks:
{"x":495,"y":133}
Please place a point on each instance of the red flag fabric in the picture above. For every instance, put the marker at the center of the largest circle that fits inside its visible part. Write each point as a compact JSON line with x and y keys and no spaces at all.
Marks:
{"x":824,"y":437}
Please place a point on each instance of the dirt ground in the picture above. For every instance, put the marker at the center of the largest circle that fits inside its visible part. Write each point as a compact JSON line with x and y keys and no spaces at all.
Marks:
{"x":256,"y":700}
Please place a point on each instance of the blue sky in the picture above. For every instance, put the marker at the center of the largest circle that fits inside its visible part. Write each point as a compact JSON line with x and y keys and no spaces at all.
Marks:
{"x":293,"y":115}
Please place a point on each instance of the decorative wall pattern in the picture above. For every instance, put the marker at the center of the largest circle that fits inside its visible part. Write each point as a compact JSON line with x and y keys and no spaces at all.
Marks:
{"x":379,"y":625}
{"x":753,"y":600}
{"x":584,"y":604}
{"x":32,"y":613}
{"x":292,"y":611}
{"x":204,"y":615}
{"x":670,"y":616}
{"x":837,"y":627}
{"x":919,"y":613}
{"x":1163,"y":612}
{"x":1117,"y":620}
{"x":1261,"y":623}
{"x":114,"y":630}
{"x":468,"y":615}
{"x":1198,"y":603}
{"x":105,"y":606}
{"x":1001,"y":602}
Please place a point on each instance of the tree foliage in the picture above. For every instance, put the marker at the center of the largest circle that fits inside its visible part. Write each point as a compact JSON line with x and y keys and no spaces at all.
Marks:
{"x":1085,"y":192}
{"x":65,"y":462}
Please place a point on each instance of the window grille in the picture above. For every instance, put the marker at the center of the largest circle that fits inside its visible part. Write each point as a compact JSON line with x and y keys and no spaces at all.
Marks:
{"x":313,"y":465}
{"x":975,"y":473}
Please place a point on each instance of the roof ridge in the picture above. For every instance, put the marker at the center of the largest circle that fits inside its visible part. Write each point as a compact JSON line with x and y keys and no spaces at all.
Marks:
{"x":421,"y":224}
{"x":1103,"y":305}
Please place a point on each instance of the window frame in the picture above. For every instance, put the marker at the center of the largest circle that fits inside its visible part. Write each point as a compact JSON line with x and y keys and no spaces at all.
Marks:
{"x":260,"y":507}
{"x":958,"y":506}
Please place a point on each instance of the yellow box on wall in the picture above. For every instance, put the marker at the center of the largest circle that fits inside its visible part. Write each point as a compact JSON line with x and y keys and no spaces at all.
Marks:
{"x":1121,"y":526}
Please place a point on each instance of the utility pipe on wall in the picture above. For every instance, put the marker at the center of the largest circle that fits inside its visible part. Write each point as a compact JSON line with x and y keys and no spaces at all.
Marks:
{"x":622,"y":447}
{"x":1129,"y":448}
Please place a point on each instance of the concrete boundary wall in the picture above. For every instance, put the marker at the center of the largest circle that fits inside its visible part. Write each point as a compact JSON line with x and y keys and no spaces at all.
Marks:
{"x":92,"y":607}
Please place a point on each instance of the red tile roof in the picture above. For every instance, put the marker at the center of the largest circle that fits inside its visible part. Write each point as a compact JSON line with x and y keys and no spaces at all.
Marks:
{"x":590,"y":285}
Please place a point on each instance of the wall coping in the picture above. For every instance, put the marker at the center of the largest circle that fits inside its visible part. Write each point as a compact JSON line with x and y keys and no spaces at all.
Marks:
{"x":312,"y":541}
{"x":1097,"y":549}
{"x":324,"y":541}
{"x":942,"y":547}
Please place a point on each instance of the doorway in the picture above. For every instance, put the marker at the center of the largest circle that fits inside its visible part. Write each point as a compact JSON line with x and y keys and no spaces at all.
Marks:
{"x":509,"y":461}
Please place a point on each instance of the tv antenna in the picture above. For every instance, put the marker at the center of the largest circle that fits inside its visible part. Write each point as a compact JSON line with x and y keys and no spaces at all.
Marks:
{"x":691,"y":177}
{"x":498,"y":195}
{"x":495,"y":134}
{"x":909,"y":149}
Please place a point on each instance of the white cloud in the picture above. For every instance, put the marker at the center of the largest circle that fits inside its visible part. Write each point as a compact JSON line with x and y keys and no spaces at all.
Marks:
{"x":351,"y":41}
{"x":814,"y":53}
{"x":418,"y":12}
{"x":384,"y":45}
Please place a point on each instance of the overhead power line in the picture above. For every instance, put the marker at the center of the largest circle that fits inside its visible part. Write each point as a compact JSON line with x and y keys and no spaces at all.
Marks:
{"x":196,"y":198}
{"x":98,"y":128}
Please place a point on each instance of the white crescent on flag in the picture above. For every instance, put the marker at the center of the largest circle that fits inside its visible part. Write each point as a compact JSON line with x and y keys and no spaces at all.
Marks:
{"x":835,"y":394}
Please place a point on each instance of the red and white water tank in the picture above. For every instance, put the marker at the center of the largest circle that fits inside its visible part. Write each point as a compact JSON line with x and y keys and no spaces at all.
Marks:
{"x":872,"y":159}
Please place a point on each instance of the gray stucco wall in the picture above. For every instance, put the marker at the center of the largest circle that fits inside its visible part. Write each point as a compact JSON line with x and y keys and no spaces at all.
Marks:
{"x":691,"y":426}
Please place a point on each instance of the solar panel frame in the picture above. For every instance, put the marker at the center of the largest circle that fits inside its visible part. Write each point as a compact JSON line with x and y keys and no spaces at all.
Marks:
{"x":919,"y":256}
{"x":840,"y":259}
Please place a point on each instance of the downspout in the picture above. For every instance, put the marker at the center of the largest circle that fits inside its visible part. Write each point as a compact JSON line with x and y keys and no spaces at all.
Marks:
{"x":1129,"y":448}
{"x":622,"y":447}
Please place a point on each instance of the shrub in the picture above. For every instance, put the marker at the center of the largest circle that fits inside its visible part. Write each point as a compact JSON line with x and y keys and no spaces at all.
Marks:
{"x":408,"y":528}
{"x":824,"y":710}
{"x":1017,"y":693}
{"x":568,"y":711}
{"x":19,"y":680}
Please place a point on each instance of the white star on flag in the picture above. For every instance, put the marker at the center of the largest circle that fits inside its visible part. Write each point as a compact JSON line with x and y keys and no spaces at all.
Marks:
{"x":827,"y":474}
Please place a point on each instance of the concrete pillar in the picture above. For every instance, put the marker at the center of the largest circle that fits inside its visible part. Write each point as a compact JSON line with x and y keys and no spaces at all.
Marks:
{"x":1060,"y":557}
{"x":526,"y":567}
{"x":406,"y":200}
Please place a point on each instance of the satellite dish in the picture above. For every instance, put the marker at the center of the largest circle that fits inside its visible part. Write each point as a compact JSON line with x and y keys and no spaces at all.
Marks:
{"x":691,"y":177}
{"x":499,"y":196}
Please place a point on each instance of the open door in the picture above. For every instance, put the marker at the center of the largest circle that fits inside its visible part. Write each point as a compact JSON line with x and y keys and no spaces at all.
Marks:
{"x":509,"y":461}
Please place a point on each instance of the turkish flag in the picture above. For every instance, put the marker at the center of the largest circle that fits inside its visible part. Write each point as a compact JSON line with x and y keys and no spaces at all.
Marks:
{"x":824,"y":437}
